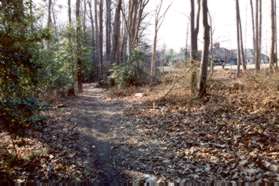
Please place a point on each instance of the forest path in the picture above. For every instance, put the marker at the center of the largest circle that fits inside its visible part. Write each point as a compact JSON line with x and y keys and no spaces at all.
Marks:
{"x":96,"y":119}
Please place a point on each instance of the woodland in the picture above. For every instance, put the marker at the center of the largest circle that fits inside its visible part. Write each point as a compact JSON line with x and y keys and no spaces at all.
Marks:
{"x":84,"y":99}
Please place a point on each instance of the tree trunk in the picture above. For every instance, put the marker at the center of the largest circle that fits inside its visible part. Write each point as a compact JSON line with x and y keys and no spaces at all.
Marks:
{"x":258,"y":24}
{"x":78,"y":48}
{"x":97,"y":39}
{"x":154,"y":55}
{"x":240,"y":49}
{"x":273,"y":52}
{"x":84,"y":21}
{"x":49,"y":20}
{"x":253,"y":25}
{"x":93,"y":42}
{"x":205,"y":55}
{"x":71,"y":48}
{"x":116,"y":34}
{"x":195,"y":25}
{"x":101,"y":38}
{"x":108,"y":30}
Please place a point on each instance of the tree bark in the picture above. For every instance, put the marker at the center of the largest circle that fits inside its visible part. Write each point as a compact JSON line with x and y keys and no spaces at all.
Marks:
{"x":108,"y":30}
{"x":97,"y":39}
{"x":78,"y":48}
{"x":84,"y":21}
{"x":258,"y":25}
{"x":273,"y":49}
{"x":253,"y":24}
{"x":93,"y":41}
{"x":159,"y":19}
{"x":240,"y":49}
{"x":101,"y":38}
{"x":195,"y":25}
{"x":116,"y":34}
{"x":71,"y":48}
{"x":205,"y":55}
{"x":154,"y":54}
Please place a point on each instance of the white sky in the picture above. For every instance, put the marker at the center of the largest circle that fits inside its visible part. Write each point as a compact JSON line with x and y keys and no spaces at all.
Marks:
{"x":174,"y":29}
{"x":173,"y":32}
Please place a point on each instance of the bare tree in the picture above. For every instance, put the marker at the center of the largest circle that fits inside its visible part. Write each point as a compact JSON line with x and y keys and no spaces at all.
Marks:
{"x":93,"y":39}
{"x":116,"y":33}
{"x":97,"y":39}
{"x":187,"y":40}
{"x":240,"y":48}
{"x":70,"y":44}
{"x":159,"y":19}
{"x":257,"y":27}
{"x":84,"y":16}
{"x":133,"y":21}
{"x":273,"y":49}
{"x":101,"y":37}
{"x":108,"y":30}
{"x":49,"y":19}
{"x":253,"y":24}
{"x":195,"y":26}
{"x":78,"y":48}
{"x":205,"y":55}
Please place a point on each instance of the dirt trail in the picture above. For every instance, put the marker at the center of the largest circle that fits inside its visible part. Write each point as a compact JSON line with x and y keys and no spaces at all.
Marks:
{"x":96,"y":120}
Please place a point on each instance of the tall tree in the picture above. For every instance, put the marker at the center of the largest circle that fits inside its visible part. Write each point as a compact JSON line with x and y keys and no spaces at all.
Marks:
{"x":84,"y":16}
{"x":93,"y":40}
{"x":108,"y":30}
{"x":205,"y":54}
{"x":273,"y":49}
{"x":78,"y":48}
{"x":97,"y":38}
{"x":253,"y":24}
{"x":240,"y":48}
{"x":101,"y":38}
{"x":116,"y":33}
{"x":49,"y":19}
{"x":159,"y":18}
{"x":70,"y":44}
{"x":195,"y":26}
{"x":133,"y":22}
{"x":257,"y":26}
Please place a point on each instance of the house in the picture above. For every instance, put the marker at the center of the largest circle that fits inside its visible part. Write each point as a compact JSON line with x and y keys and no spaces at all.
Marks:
{"x":222,"y":56}
{"x":250,"y":57}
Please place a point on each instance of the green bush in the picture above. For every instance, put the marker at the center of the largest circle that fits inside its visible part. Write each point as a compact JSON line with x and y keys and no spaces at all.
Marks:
{"x":129,"y":74}
{"x":21,"y":111}
{"x":20,"y":54}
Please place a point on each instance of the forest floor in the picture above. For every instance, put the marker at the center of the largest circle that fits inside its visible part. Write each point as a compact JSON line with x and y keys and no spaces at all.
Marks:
{"x":105,"y":137}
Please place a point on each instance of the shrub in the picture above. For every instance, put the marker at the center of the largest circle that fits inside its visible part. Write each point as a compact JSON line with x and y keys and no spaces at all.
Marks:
{"x":21,"y":111}
{"x":130,"y":73}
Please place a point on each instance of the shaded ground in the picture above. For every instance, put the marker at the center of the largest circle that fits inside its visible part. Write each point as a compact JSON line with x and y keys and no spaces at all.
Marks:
{"x":96,"y":120}
{"x":231,"y":135}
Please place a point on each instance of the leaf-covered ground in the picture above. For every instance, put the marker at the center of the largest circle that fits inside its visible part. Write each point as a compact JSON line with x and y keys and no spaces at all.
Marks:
{"x":232,"y":134}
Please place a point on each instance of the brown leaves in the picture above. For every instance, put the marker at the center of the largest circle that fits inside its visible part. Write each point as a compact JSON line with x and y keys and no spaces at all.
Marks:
{"x":232,"y":134}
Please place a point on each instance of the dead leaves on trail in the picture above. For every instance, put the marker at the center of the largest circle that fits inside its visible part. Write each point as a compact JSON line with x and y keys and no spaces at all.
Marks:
{"x":233,"y":134}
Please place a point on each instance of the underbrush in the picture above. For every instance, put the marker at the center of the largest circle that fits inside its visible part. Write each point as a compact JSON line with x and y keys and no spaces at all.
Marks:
{"x":17,"y":113}
{"x":250,"y":93}
{"x":233,"y":131}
